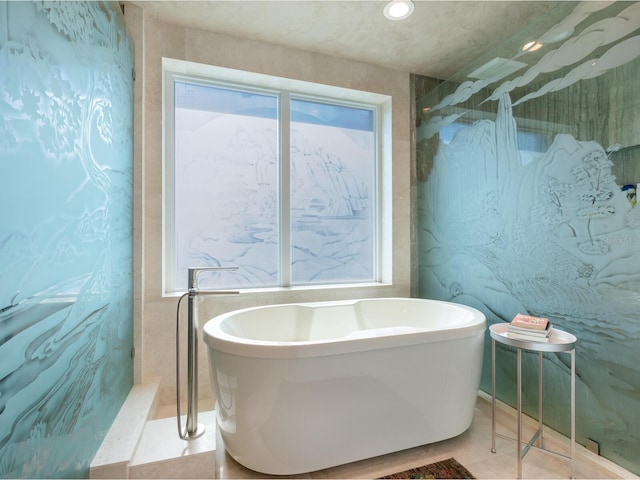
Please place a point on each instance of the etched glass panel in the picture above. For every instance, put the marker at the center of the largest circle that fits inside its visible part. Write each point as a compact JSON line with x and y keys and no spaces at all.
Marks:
{"x":226,"y":192}
{"x":66,"y":97}
{"x":526,"y":204}
{"x":332,"y":182}
{"x":226,"y":185}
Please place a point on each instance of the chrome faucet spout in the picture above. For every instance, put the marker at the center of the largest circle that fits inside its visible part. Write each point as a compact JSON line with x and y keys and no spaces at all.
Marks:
{"x":194,"y":273}
{"x":213,"y":292}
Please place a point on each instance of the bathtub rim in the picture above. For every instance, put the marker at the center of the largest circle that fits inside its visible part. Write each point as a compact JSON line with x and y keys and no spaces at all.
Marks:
{"x":218,"y":339}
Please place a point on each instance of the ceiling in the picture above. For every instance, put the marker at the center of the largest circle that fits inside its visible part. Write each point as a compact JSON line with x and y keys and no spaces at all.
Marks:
{"x":439,"y":39}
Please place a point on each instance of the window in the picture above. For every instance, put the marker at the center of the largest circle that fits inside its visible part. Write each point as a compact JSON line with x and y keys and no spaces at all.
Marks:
{"x":280,"y":182}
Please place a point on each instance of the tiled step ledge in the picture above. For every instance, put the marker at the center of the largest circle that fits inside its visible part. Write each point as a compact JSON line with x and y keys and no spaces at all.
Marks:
{"x":161,"y":452}
{"x":114,"y":455}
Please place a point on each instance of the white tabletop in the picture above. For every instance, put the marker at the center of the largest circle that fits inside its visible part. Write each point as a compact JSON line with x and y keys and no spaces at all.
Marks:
{"x":559,"y":340}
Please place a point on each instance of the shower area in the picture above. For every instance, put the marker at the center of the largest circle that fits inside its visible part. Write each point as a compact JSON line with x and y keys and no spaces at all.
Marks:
{"x":66,"y":108}
{"x":528,"y":162}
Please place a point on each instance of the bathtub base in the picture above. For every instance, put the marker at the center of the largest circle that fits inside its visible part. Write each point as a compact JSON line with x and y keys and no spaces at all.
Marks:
{"x":297,"y":419}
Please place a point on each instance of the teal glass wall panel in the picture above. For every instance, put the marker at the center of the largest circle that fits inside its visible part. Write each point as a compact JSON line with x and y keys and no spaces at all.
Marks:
{"x":527,"y":166}
{"x":66,"y":108}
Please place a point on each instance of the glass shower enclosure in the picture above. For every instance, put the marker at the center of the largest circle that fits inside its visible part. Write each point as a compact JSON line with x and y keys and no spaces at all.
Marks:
{"x":66,"y":157}
{"x":528,"y":161}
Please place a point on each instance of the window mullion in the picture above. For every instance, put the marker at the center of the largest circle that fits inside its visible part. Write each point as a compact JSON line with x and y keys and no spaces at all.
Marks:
{"x":285,"y":190}
{"x":168,"y":177}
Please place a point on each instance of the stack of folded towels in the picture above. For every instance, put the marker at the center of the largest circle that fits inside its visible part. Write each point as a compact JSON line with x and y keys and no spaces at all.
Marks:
{"x":532,"y":329}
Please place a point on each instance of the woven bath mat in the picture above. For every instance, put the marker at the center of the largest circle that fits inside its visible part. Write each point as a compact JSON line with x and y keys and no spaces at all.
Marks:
{"x":445,"y":469}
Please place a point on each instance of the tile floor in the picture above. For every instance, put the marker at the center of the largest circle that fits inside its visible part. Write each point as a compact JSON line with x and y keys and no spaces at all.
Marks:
{"x":472,"y":449}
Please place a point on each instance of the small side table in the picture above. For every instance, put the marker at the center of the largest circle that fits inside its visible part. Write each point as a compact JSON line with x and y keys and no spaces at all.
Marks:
{"x":559,"y":341}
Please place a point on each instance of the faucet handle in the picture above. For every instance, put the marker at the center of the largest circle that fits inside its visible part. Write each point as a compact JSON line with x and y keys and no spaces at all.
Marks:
{"x":195,"y":272}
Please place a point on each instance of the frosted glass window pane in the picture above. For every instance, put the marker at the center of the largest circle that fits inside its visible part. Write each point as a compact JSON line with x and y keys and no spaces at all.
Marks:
{"x":226,"y":185}
{"x":230,"y":175}
{"x":332,"y":183}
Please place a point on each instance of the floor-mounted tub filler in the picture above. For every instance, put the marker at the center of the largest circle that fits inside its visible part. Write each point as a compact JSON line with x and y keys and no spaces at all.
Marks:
{"x":302,"y":387}
{"x":193,"y":429}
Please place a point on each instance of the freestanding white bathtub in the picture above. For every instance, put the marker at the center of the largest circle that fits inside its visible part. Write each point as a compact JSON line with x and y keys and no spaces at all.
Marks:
{"x":302,"y":387}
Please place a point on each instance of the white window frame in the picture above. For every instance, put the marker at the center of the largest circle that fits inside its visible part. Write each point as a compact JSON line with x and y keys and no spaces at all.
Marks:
{"x":285,"y":89}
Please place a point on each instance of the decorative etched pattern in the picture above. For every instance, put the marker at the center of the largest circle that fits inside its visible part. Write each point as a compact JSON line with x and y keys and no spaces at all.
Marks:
{"x":227,"y":200}
{"x":65,"y":232}
{"x":545,"y":231}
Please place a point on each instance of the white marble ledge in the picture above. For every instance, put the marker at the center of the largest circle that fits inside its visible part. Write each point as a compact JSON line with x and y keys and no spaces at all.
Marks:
{"x":118,"y":447}
{"x":160,"y":441}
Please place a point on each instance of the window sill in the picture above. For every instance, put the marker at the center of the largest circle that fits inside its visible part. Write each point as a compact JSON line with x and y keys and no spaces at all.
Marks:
{"x":294,"y":290}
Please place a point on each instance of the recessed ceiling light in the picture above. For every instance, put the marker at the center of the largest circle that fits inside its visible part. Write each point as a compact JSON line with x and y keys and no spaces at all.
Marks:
{"x":531,"y":46}
{"x":398,"y":9}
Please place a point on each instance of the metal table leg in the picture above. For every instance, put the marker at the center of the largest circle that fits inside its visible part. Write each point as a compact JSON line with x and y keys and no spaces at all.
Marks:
{"x":519,"y":405}
{"x":573,"y":409}
{"x":493,"y":396}
{"x":541,"y":440}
